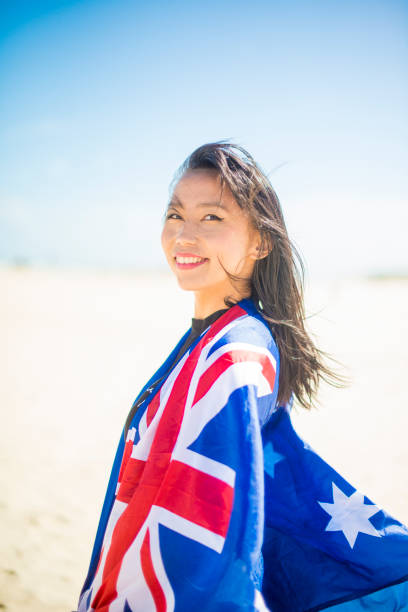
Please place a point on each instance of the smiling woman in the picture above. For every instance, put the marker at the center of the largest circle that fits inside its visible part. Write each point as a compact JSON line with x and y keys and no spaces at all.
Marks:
{"x":213,"y":498}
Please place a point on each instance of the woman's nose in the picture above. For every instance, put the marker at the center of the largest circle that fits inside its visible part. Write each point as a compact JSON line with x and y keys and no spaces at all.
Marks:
{"x":187,"y":234}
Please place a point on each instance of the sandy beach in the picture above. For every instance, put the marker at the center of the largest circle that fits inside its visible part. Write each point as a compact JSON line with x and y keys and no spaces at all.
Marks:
{"x":76,"y":348}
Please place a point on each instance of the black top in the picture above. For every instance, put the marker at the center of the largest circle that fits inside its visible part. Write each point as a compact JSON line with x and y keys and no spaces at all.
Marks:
{"x":199,"y":325}
{"x":197,"y":328}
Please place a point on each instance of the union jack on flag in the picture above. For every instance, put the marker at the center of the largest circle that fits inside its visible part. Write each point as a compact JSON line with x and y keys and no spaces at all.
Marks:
{"x":214,"y":499}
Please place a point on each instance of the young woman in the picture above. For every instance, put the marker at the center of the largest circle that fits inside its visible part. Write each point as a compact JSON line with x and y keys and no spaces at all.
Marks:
{"x":213,"y":499}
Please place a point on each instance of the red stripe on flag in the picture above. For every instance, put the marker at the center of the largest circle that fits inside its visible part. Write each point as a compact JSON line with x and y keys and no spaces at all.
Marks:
{"x":126,"y":454}
{"x":131,"y":478}
{"x":105,"y":595}
{"x":152,"y":408}
{"x":211,"y":374}
{"x":226,"y":360}
{"x":197,"y":497}
{"x":150,"y":575}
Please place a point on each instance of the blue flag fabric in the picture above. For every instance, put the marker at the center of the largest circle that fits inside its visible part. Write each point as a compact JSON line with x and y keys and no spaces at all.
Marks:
{"x":324,"y":542}
{"x":215,"y":500}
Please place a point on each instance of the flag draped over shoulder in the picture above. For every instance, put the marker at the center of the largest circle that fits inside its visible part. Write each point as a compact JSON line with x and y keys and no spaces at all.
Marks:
{"x":214,"y":499}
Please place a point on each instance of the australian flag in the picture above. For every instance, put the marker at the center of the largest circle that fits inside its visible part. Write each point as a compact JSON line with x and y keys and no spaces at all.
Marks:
{"x":214,"y":501}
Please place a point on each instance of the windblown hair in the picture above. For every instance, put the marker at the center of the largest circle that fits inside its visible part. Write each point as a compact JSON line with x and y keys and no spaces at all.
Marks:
{"x":276,"y":286}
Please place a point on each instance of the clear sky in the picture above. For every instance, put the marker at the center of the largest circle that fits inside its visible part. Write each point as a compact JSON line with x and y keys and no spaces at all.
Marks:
{"x":101,"y":100}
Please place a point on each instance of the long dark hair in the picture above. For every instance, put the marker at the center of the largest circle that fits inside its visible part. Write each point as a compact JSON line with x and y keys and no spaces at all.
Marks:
{"x":276,"y":285}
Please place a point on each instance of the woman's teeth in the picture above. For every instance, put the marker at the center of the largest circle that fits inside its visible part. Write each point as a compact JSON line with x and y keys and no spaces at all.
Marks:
{"x":186,"y":260}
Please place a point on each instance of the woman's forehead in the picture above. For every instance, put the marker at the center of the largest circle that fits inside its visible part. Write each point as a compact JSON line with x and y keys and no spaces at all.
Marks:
{"x":197,"y":183}
{"x":200,"y":175}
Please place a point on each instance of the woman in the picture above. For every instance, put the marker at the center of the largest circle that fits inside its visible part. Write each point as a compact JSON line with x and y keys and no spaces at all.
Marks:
{"x":213,"y":498}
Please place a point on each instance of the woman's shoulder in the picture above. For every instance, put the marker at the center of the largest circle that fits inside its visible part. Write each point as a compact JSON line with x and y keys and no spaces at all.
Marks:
{"x":250,"y":329}
{"x":243,"y":341}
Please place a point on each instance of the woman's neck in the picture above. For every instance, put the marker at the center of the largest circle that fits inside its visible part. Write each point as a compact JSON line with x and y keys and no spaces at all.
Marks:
{"x":204,"y":307}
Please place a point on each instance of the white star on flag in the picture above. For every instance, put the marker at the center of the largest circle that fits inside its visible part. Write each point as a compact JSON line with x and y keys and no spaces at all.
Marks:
{"x":350,"y":515}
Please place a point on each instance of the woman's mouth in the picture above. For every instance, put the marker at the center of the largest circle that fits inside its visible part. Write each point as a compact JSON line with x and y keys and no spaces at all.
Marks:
{"x":187,"y":263}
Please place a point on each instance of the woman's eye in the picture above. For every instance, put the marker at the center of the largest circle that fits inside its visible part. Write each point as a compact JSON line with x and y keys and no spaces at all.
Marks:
{"x":176,"y":216}
{"x":215,"y":217}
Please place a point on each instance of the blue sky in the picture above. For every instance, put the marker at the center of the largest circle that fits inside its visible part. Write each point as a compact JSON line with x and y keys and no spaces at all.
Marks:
{"x":100,"y":102}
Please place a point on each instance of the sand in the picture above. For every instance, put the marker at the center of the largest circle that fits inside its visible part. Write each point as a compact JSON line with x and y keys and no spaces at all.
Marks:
{"x":77,"y":346}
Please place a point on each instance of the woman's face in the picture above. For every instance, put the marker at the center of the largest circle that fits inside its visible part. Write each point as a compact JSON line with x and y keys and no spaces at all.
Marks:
{"x":202,"y":226}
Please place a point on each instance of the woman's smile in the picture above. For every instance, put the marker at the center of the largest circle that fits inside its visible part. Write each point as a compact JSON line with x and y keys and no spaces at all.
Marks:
{"x":188,"y":265}
{"x":187,"y":261}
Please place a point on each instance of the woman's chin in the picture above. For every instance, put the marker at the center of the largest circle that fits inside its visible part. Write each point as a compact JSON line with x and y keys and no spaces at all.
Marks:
{"x":188,"y":284}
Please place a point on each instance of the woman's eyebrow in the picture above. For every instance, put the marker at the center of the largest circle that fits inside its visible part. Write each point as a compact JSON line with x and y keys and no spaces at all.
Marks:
{"x":217,"y":204}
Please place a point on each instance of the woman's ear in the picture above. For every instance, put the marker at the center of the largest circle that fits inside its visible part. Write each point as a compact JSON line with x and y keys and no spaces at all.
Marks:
{"x":262,"y":252}
{"x":261,"y":245}
{"x":257,"y":253}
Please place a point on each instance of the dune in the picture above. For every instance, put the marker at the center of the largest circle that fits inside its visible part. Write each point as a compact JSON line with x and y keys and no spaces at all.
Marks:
{"x":76,"y":348}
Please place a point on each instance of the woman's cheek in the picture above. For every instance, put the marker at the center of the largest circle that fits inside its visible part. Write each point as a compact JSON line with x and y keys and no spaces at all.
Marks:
{"x":166,"y":237}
